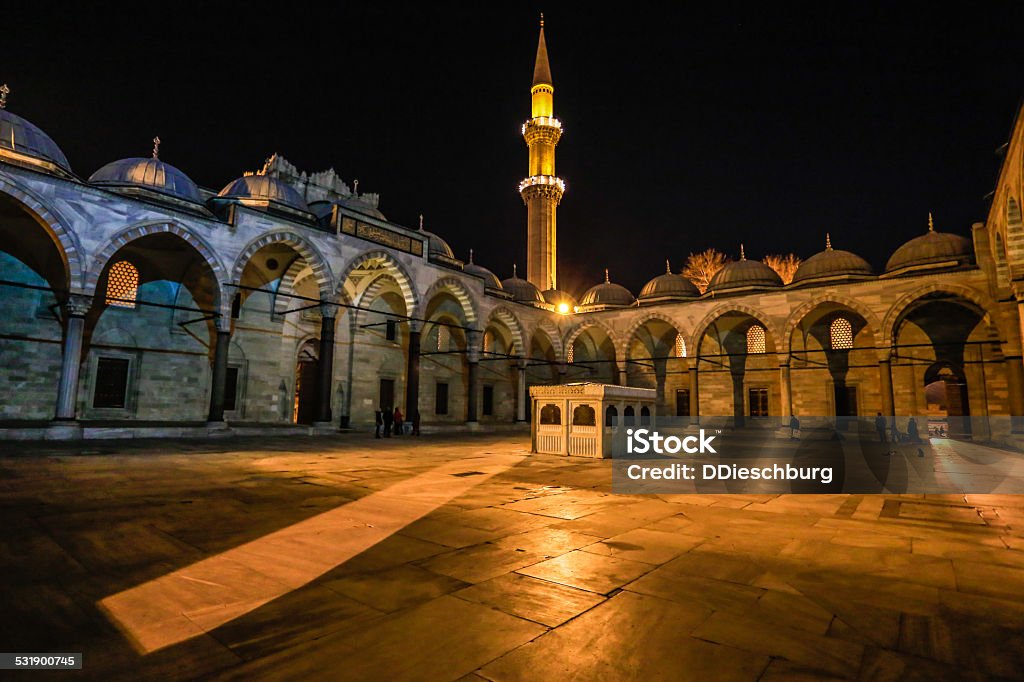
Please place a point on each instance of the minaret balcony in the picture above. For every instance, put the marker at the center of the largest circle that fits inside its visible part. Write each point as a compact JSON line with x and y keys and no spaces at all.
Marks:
{"x":542,"y":129}
{"x":548,"y":186}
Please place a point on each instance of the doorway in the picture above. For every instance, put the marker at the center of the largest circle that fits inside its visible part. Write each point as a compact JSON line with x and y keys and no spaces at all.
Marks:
{"x":947,"y":406}
{"x":306,"y":372}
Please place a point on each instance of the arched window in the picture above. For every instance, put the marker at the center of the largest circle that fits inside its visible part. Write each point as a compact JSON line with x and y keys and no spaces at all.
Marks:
{"x":122,"y":284}
{"x":755,"y":339}
{"x":611,"y":416}
{"x":645,"y":416}
{"x":551,"y":414}
{"x":443,"y":339}
{"x":568,"y":357}
{"x":680,"y":346}
{"x":583,"y":415}
{"x":629,"y":416}
{"x":841,"y":334}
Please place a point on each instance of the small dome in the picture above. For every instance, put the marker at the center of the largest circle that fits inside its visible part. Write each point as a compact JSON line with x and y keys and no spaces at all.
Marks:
{"x":522,"y":291}
{"x":668,"y":286}
{"x":437,"y":246}
{"x":489,"y":278}
{"x":932,"y":247}
{"x":22,"y":137}
{"x":607,"y":294}
{"x":151,"y":174}
{"x":264,"y":188}
{"x":357,"y":204}
{"x":558,"y":299}
{"x":742,"y":274}
{"x":831,"y":263}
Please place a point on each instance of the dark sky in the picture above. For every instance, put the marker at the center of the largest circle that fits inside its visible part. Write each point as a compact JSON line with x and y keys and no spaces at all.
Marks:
{"x":684,"y":129}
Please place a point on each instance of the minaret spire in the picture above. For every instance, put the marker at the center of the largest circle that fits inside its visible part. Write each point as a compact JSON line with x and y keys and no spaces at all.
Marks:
{"x":542,"y":190}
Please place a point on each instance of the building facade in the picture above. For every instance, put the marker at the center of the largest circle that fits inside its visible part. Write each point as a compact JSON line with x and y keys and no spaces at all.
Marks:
{"x":134,"y":299}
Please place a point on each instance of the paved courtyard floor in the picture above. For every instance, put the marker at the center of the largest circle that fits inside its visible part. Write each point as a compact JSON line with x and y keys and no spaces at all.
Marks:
{"x":466,"y":558}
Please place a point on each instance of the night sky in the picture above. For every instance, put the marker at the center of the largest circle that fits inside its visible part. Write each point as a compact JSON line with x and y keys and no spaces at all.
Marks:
{"x":683,"y":130}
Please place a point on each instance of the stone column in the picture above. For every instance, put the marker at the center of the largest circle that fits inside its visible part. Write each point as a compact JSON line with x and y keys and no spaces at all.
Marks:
{"x":786,"y":388}
{"x":472,"y":363}
{"x":694,"y":394}
{"x":71,"y":357}
{"x":521,"y":391}
{"x":325,"y":380}
{"x":221,"y":344}
{"x":885,"y":383}
{"x":412,"y":377}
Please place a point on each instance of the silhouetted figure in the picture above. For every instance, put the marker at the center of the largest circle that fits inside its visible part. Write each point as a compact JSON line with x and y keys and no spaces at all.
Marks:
{"x":880,"y":427}
{"x":416,"y":423}
{"x":398,"y":422}
{"x":378,"y":419}
{"x":912,"y":431}
{"x":794,"y":426}
{"x":389,"y":419}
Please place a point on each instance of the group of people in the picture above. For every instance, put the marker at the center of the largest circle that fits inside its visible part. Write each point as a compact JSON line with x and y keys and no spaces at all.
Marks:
{"x":882,"y":425}
{"x":391,"y":422}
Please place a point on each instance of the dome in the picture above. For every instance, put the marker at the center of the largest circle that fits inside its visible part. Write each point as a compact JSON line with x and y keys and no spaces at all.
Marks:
{"x":932,"y":247}
{"x":606,"y":295}
{"x":743,"y":274}
{"x":521,"y":290}
{"x":437,"y":246}
{"x":357,"y":204}
{"x":489,"y":278}
{"x":20,"y":136}
{"x":264,"y":188}
{"x":151,"y":174}
{"x":831,"y":263}
{"x":558,"y":299}
{"x":668,"y":286}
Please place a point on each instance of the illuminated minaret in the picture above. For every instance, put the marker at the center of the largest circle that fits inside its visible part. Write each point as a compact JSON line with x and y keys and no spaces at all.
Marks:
{"x":542,"y":190}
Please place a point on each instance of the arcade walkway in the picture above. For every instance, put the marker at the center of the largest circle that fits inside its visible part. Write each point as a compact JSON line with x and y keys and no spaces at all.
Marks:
{"x":465,"y":558}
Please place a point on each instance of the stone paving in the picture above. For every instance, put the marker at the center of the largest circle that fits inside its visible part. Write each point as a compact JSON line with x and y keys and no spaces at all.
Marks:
{"x":465,"y":558}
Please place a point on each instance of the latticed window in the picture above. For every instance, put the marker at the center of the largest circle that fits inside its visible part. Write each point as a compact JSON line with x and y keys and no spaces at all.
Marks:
{"x":755,"y":339}
{"x":569,"y":356}
{"x":841,"y":334}
{"x":680,"y":346}
{"x":443,"y":339}
{"x":122,"y":284}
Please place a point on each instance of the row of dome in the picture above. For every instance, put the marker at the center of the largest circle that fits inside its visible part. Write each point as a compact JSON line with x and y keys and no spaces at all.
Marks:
{"x":931,"y":249}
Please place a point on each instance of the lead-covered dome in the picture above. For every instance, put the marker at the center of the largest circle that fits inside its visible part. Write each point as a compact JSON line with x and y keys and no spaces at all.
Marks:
{"x":832,"y":264}
{"x":522,"y":291}
{"x":744,"y":274}
{"x":152,"y":174}
{"x":490,"y":279}
{"x":263,"y":188}
{"x":606,"y":295}
{"x":668,"y":287}
{"x":932,"y":248}
{"x":24,"y":138}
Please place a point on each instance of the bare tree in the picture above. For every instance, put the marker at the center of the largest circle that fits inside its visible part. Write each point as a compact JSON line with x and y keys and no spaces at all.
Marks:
{"x":701,"y":267}
{"x":785,"y":266}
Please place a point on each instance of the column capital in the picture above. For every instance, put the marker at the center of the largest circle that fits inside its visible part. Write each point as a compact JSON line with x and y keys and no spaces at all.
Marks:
{"x":415,"y":326}
{"x":78,"y":304}
{"x":328,"y":309}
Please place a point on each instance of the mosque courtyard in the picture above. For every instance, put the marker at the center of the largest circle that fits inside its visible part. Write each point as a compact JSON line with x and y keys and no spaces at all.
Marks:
{"x":464,"y":557}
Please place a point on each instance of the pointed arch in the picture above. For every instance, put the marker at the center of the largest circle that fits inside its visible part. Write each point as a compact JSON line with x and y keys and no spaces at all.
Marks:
{"x":724,"y":309}
{"x":511,"y":322}
{"x":49,"y":219}
{"x":986,"y":306}
{"x":457,"y":289}
{"x":575,"y":332}
{"x":874,"y":325}
{"x":391,"y":266}
{"x":321,"y":268}
{"x":131,"y":234}
{"x":644,"y":319}
{"x":554,"y":337}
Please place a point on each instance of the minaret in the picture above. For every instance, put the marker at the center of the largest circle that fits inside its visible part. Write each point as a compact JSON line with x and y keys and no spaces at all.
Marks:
{"x":542,"y":190}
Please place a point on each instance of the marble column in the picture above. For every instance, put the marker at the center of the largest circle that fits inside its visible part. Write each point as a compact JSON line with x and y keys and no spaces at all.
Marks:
{"x":521,"y":391}
{"x":885,"y":383}
{"x":786,"y":388}
{"x":221,"y":344}
{"x":412,"y":377}
{"x":71,"y":357}
{"x":325,"y":380}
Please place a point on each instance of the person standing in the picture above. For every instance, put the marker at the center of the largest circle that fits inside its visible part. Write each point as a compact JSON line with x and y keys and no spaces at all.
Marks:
{"x":388,"y":418}
{"x":378,"y":420}
{"x":880,"y":427}
{"x":794,"y":426}
{"x":398,"y":422}
{"x":912,"y":433}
